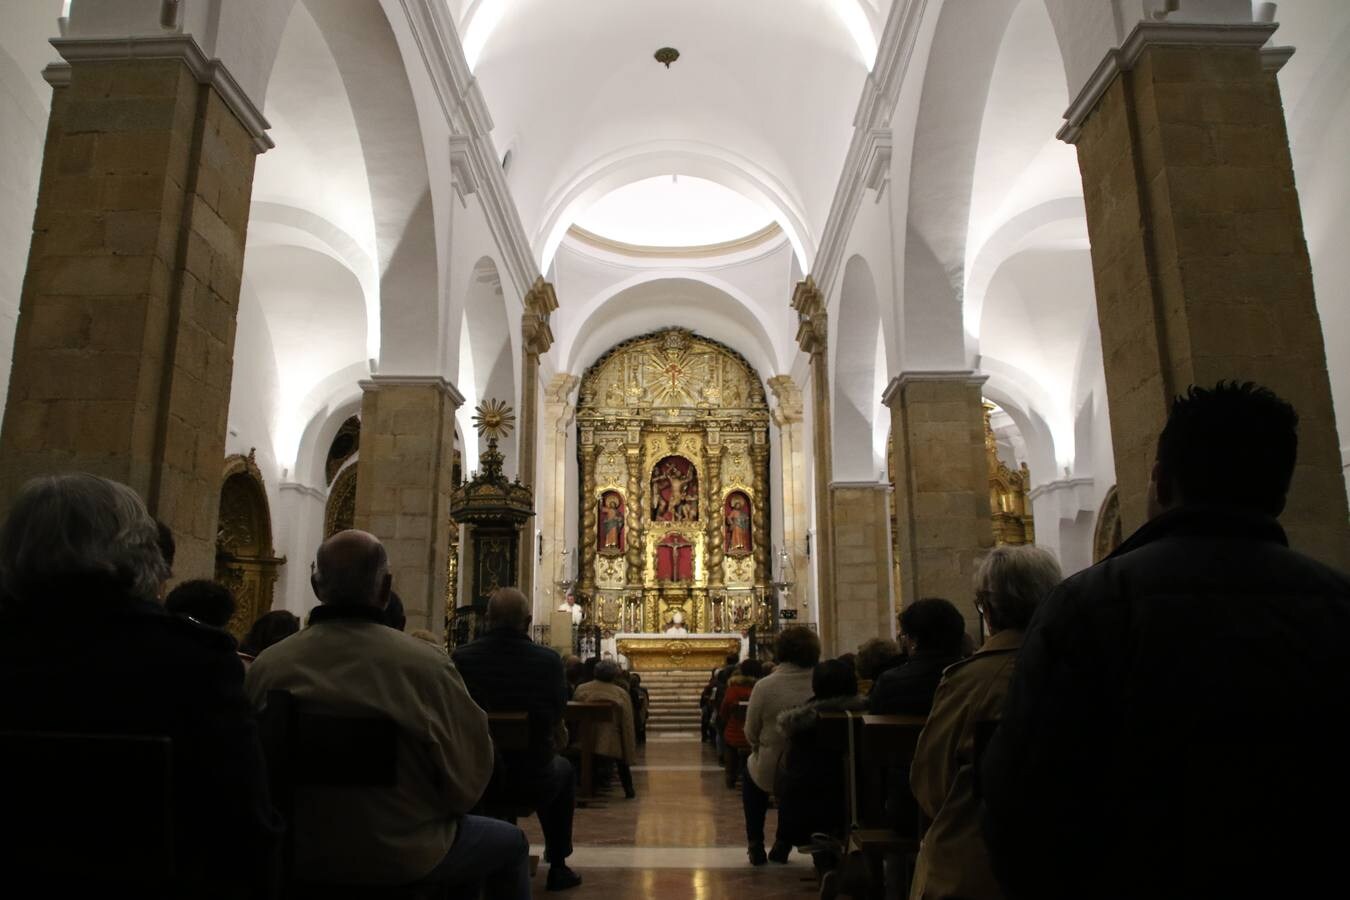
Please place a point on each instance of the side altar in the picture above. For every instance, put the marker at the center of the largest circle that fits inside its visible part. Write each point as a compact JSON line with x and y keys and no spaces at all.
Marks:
{"x":689,"y":652}
{"x":673,"y":452}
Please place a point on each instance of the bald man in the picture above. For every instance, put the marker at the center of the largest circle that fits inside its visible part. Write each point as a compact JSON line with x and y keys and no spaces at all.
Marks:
{"x":507,"y":672}
{"x":349,"y":660}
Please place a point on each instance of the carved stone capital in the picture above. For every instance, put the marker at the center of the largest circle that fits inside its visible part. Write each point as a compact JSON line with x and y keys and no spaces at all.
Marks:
{"x":540,"y":301}
{"x":788,"y":395}
{"x":813,"y":325}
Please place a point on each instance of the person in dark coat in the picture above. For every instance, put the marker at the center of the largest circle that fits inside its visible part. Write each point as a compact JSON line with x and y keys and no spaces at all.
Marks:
{"x":931,"y":631}
{"x":507,"y":672}
{"x":86,"y":648}
{"x":1175,"y":726}
{"x":810,"y":785}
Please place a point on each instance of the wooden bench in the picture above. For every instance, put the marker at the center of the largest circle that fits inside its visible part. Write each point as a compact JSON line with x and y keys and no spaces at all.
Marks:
{"x":884,"y":747}
{"x":587,"y":717}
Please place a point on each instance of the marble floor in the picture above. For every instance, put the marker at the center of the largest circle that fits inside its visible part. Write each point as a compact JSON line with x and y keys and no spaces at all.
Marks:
{"x":683,"y":836}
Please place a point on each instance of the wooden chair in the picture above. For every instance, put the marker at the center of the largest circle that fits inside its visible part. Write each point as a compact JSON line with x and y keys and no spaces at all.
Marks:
{"x":883,"y":748}
{"x":308,"y":750}
{"x":587,"y":717}
{"x":510,"y":731}
{"x":88,"y":810}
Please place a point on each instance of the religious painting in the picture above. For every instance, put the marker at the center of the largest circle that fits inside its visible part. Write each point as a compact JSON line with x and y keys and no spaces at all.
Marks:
{"x":674,"y":559}
{"x":610,"y":518}
{"x":736,"y":516}
{"x":674,"y":490}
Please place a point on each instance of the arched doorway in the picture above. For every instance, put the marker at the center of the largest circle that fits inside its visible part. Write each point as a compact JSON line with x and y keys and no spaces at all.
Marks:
{"x":246,"y":562}
{"x":674,"y":457}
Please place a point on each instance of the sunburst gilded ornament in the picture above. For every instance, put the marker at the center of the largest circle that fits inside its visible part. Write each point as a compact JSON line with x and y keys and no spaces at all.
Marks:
{"x":494,"y":419}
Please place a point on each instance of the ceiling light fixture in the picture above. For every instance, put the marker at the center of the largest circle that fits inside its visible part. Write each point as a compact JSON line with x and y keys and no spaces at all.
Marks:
{"x":667,"y":55}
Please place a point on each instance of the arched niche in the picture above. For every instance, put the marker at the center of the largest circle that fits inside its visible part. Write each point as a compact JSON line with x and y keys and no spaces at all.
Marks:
{"x":1107,"y":534}
{"x":339,"y":512}
{"x":246,"y":561}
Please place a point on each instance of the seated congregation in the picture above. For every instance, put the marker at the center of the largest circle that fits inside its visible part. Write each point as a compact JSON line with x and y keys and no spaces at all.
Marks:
{"x":1160,"y":725}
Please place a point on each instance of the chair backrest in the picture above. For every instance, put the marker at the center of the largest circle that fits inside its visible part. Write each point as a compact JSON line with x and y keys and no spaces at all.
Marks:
{"x":885,"y":750}
{"x":92,"y":809}
{"x":510,"y":730}
{"x":308,"y":748}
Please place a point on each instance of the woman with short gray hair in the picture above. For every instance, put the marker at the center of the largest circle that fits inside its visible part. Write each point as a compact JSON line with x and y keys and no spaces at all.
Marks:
{"x":86,"y":648}
{"x":953,"y":861}
{"x":79,"y":531}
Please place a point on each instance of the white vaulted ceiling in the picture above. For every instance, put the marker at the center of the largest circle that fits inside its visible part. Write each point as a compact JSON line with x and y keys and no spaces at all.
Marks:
{"x":760,"y":101}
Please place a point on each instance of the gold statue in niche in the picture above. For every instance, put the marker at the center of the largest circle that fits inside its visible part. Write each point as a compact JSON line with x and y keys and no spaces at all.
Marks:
{"x":670,"y":487}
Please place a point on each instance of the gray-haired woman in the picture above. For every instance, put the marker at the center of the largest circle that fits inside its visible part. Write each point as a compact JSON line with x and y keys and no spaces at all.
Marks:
{"x":953,"y":861}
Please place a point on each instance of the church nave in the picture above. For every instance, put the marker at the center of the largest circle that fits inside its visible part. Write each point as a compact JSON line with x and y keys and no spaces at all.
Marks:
{"x":683,"y":836}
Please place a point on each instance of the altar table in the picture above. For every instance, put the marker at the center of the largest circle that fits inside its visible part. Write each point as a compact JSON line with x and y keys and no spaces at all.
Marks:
{"x":663,"y":652}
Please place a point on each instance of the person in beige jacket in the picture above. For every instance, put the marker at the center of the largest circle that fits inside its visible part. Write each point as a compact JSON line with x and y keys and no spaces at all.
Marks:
{"x":797,"y":651}
{"x":349,"y":662}
{"x":617,"y":739}
{"x":953,"y":861}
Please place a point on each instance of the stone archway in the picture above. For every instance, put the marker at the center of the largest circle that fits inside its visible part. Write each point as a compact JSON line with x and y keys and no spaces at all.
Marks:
{"x":246,"y":561}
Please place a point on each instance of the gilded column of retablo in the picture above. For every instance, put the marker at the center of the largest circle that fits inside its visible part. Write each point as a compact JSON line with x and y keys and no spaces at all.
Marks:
{"x":588,"y":519}
{"x":714,"y":508}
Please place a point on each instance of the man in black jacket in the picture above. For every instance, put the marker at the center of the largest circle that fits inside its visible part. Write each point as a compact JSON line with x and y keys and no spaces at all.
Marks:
{"x":507,"y":672}
{"x":1176,"y":725}
{"x":86,"y":648}
{"x":931,"y":630}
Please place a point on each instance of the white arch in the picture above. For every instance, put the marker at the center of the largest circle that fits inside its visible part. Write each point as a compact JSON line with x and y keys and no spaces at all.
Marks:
{"x":1006,"y":240}
{"x":693,"y":158}
{"x":581,"y":324}
{"x":857,"y":398}
{"x":481,"y":18}
{"x":280,"y":224}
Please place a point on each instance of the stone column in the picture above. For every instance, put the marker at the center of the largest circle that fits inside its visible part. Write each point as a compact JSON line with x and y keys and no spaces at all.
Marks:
{"x":550,"y":500}
{"x":787,"y":416}
{"x":536,"y":338}
{"x":941,"y":485}
{"x":862,"y":555}
{"x":812,"y":337}
{"x":404,"y":483}
{"x":124,"y":348}
{"x":1198,"y":253}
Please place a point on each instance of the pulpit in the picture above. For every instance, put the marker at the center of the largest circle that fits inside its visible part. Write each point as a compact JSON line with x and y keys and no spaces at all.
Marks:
{"x":493,"y":509}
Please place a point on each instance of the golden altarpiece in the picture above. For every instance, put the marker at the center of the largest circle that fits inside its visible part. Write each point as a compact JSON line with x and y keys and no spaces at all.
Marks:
{"x":674,"y":458}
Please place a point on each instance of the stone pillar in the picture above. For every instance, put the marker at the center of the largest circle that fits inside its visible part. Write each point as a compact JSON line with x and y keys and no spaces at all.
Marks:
{"x":404,"y":482}
{"x":862,"y":555}
{"x":941,"y":485}
{"x":536,"y":338}
{"x":550,"y":499}
{"x":124,"y":346}
{"x":812,"y":337}
{"x":1198,"y":253}
{"x":787,"y":416}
